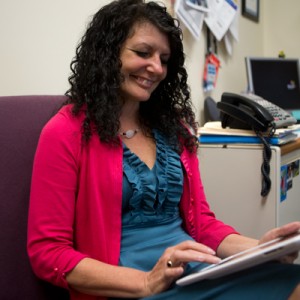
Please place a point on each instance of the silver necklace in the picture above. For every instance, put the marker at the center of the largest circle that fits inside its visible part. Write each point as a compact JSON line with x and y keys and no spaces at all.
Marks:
{"x":130,"y":133}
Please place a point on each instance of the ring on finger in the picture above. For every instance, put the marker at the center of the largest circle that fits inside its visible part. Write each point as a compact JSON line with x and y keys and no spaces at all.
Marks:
{"x":169,"y":264}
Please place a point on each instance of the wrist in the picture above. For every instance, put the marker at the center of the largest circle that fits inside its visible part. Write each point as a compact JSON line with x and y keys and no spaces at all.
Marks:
{"x":147,"y":291}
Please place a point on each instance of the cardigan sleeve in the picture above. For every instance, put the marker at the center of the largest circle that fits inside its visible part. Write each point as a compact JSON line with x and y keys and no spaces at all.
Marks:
{"x":52,"y":201}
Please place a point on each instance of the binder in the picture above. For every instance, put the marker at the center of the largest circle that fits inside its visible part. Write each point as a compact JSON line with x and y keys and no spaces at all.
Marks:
{"x":235,"y":139}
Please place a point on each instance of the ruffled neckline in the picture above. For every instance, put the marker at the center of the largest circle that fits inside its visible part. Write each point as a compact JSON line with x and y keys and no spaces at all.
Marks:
{"x":156,"y":192}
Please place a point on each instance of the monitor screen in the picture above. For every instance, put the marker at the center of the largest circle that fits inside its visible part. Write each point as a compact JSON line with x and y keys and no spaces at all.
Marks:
{"x":275,"y":79}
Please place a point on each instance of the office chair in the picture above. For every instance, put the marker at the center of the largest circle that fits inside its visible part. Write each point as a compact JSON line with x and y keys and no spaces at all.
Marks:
{"x":211,"y":112}
{"x":21,"y":121}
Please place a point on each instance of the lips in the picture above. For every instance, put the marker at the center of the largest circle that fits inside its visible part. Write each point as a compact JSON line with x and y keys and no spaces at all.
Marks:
{"x":143,"y":82}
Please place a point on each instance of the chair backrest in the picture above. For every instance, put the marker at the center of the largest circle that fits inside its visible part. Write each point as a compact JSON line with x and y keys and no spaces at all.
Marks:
{"x":211,"y":111}
{"x":21,"y":121}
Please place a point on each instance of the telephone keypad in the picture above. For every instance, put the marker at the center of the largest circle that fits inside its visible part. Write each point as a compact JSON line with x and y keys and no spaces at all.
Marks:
{"x":281,"y":117}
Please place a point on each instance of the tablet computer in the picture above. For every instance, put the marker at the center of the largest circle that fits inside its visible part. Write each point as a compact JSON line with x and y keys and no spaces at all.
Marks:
{"x":249,"y":258}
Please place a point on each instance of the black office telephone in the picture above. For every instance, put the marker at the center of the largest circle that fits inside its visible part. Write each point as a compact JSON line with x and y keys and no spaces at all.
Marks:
{"x":252,"y":112}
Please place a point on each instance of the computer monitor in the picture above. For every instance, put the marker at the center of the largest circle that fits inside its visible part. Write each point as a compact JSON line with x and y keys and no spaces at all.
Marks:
{"x":275,"y":79}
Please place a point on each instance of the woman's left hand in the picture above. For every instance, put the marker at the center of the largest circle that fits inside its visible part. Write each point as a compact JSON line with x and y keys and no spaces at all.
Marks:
{"x":282,"y":231}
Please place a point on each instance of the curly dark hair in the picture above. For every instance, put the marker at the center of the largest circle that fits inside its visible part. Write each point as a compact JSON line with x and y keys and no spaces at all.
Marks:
{"x":96,"y":75}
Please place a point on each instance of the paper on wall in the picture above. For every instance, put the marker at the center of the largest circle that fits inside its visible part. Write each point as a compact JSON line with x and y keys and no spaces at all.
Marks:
{"x":231,"y":35}
{"x":191,"y":15}
{"x":228,"y":43}
{"x":220,"y":17}
{"x":234,"y":26}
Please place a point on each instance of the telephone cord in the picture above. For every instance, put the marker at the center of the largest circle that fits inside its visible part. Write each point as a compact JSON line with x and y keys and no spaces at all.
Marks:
{"x":267,"y":155}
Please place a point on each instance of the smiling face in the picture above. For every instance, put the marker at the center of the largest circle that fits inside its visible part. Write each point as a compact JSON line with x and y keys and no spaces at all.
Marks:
{"x":144,"y":58}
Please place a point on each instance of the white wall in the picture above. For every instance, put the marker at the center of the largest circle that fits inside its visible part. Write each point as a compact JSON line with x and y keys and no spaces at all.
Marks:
{"x":38,"y":40}
{"x":281,"y":27}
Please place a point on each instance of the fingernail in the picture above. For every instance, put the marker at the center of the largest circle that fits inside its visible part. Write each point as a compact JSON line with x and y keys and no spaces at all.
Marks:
{"x":211,"y":251}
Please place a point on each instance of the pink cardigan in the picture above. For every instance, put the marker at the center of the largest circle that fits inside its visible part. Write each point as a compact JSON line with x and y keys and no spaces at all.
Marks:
{"x":75,"y":202}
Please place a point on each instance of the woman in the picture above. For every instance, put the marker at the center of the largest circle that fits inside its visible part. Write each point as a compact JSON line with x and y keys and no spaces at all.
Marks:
{"x":117,"y":207}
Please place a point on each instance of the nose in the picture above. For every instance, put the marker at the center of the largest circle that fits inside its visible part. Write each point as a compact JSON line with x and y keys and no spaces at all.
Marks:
{"x":156,"y":66}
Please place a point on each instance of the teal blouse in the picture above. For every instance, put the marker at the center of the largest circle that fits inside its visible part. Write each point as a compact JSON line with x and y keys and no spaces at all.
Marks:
{"x":151,"y":221}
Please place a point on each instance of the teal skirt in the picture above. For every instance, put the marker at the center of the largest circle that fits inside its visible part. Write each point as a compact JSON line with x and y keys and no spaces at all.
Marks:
{"x":267,"y":281}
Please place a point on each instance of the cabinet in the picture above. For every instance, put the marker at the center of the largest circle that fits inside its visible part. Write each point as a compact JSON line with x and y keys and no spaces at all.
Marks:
{"x":232,"y":180}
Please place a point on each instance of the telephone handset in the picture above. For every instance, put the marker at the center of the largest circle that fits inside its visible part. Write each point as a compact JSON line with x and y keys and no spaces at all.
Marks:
{"x":252,"y":112}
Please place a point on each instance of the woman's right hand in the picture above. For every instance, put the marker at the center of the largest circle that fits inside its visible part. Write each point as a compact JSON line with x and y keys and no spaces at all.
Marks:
{"x":171,"y":264}
{"x":93,"y":277}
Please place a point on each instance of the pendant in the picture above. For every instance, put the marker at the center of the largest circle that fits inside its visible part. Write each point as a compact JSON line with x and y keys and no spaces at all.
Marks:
{"x":129,"y":133}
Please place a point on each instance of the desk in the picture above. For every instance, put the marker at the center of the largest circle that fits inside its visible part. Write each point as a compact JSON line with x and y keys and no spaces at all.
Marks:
{"x":290,"y":147}
{"x":232,"y":181}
